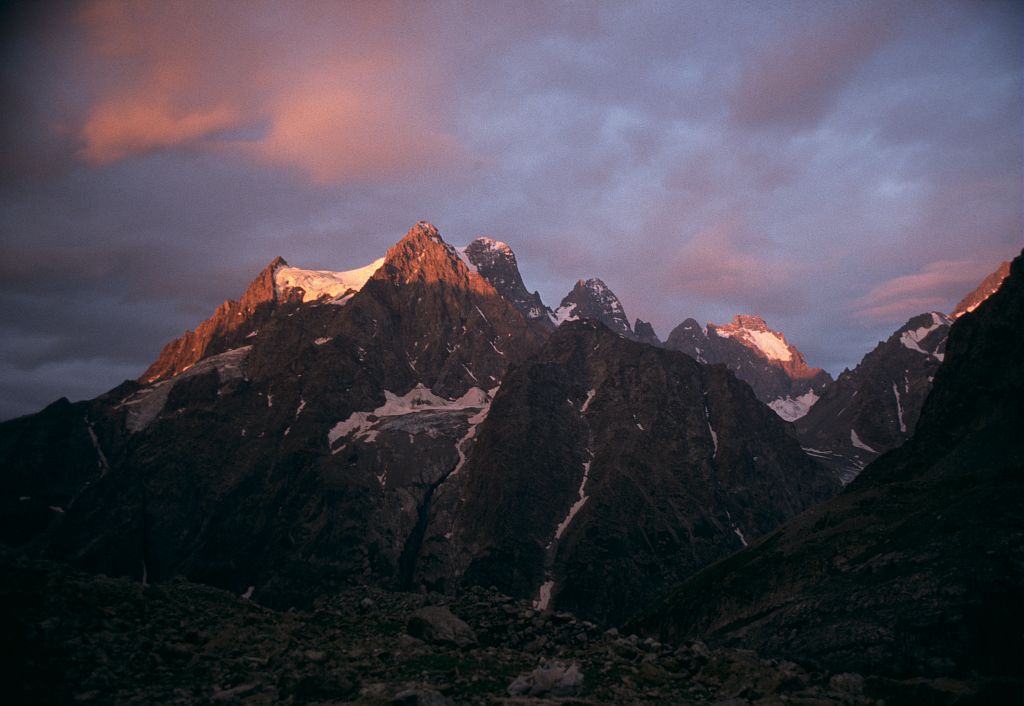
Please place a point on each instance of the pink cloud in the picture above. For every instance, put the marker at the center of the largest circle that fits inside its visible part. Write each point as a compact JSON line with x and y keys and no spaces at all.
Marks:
{"x":726,"y":262}
{"x":121,"y":128}
{"x":333,"y":94}
{"x":935,"y":288}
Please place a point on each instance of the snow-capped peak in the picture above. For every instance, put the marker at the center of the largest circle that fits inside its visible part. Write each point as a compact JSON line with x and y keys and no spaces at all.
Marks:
{"x":754,"y":332}
{"x":593,"y":299}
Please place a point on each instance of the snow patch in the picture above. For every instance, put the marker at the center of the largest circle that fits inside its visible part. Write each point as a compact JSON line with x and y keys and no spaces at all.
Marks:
{"x":324,"y":284}
{"x":586,"y":402}
{"x":791,"y":409}
{"x":771,"y":344}
{"x":578,"y":505}
{"x":461,"y":252}
{"x":714,"y":436}
{"x":418,"y":399}
{"x":563,"y":314}
{"x":911,"y":339}
{"x":899,"y":408}
{"x":855,"y":440}
{"x":248,"y":593}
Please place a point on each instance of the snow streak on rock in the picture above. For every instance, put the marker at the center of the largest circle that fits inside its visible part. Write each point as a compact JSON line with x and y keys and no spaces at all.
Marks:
{"x":899,"y":408}
{"x":855,"y":440}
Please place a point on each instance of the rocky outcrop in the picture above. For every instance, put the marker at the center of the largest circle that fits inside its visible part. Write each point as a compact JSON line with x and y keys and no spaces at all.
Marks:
{"x":874,"y":407}
{"x":230,"y":325}
{"x":915,"y":570}
{"x":607,"y":469}
{"x":644,"y":332}
{"x":496,"y":263}
{"x":761,"y":357}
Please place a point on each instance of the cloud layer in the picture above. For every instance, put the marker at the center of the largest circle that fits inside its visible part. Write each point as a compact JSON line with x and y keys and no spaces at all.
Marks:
{"x":834,"y":167}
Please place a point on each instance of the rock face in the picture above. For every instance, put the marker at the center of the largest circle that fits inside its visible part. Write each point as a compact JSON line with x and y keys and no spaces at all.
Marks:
{"x":228,"y":328}
{"x":918,"y":568}
{"x":644,"y":333}
{"x":874,"y":407}
{"x":759,"y":356}
{"x":592,"y":299}
{"x":496,"y":263}
{"x":607,"y":469}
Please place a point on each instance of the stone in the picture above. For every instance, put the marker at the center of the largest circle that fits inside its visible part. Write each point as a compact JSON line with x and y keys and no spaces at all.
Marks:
{"x":438,"y":625}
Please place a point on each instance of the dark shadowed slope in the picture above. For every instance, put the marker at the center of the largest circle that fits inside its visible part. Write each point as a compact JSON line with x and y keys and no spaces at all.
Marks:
{"x":918,"y":568}
{"x":608,"y":468}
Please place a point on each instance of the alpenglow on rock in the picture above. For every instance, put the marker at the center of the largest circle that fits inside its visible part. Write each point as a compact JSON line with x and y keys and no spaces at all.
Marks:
{"x":759,"y":356}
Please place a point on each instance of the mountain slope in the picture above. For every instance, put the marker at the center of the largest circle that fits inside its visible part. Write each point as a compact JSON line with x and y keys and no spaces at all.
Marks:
{"x":607,"y":468}
{"x":759,"y":356}
{"x":918,"y":568}
{"x":298,"y":460}
{"x":874,"y":407}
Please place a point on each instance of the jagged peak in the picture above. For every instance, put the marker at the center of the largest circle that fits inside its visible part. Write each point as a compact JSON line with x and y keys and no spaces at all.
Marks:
{"x":424,"y":255}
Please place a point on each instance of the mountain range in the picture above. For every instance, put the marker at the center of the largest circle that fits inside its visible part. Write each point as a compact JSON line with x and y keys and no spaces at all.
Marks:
{"x":428,"y":424}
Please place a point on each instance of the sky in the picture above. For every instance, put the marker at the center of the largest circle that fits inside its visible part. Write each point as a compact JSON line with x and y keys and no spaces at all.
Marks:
{"x":835,"y":167}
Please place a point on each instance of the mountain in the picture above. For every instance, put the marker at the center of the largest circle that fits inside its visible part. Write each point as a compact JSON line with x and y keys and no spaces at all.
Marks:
{"x":496,"y":263}
{"x":300,"y":459}
{"x":986,"y":289}
{"x":917,"y":569}
{"x":592,"y":299}
{"x":874,"y":407}
{"x":759,"y":356}
{"x":333,"y":429}
{"x":606,"y":469}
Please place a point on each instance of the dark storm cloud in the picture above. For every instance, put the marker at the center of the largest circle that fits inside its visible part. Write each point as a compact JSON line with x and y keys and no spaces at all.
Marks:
{"x":836,"y":167}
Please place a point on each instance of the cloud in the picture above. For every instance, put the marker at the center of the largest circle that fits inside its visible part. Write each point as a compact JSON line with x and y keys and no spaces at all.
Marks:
{"x":795,"y":82}
{"x":168,"y":76}
{"x":726,"y":262}
{"x":936,"y":287}
{"x":128,"y":127}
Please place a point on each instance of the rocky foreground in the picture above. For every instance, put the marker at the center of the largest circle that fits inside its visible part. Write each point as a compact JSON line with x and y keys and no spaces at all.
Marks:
{"x":75,"y":638}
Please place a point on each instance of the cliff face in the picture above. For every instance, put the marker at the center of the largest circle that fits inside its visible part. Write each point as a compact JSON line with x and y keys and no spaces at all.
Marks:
{"x":607,"y":469}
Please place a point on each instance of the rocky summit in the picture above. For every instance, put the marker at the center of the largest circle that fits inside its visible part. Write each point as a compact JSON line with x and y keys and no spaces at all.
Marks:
{"x":758,"y":355}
